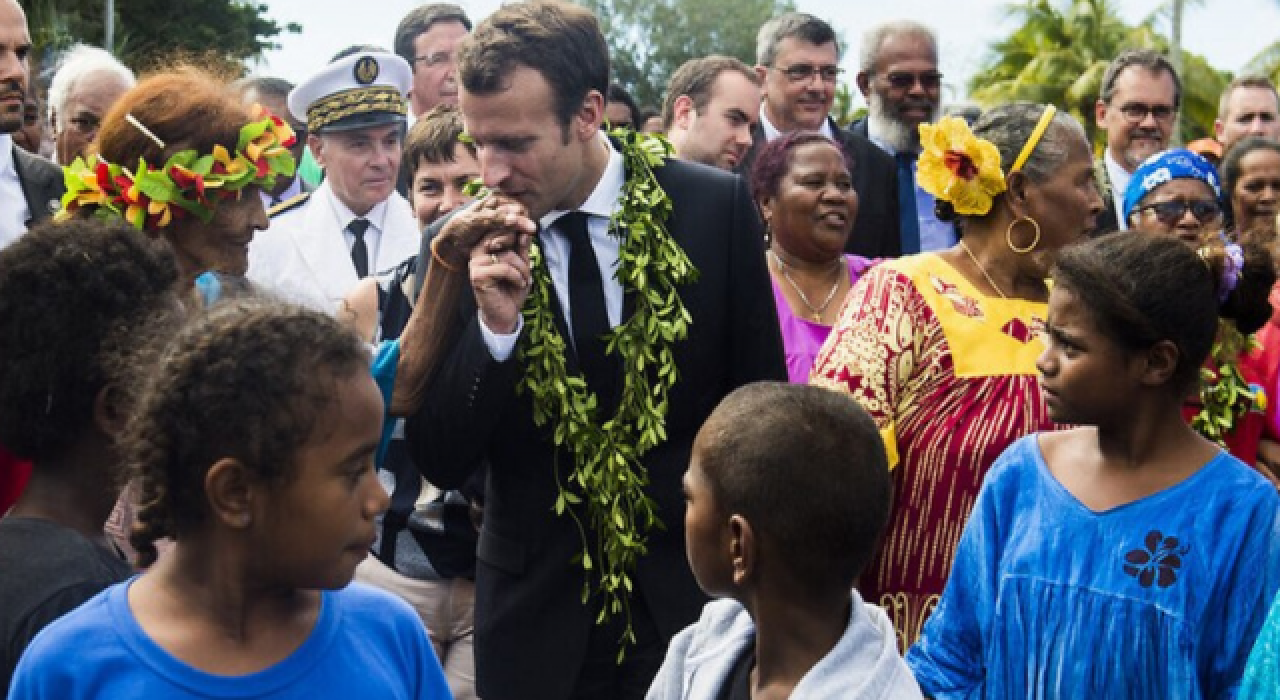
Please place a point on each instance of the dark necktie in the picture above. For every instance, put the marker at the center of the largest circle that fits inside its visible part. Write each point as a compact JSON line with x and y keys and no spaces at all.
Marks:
{"x":359,"y":251}
{"x":907,"y":203}
{"x":587,"y":309}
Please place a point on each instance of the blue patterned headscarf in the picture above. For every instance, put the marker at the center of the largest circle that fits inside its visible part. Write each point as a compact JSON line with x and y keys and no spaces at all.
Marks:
{"x":1165,"y":166}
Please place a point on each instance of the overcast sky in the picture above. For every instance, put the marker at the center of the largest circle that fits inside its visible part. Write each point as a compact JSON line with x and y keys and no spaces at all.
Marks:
{"x":966,"y":28}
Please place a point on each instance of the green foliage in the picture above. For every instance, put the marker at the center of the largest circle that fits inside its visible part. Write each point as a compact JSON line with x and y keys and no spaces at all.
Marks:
{"x":650,"y":39}
{"x":1061,"y":50}
{"x":842,"y":109}
{"x":606,"y":487}
{"x":223,"y":33}
{"x":1225,"y":396}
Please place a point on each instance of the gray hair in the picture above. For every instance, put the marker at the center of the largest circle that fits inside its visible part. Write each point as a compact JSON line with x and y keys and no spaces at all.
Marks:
{"x":1152,"y":61}
{"x":1009,"y":127}
{"x":875,"y":37}
{"x":82,"y":60}
{"x":792,"y":25}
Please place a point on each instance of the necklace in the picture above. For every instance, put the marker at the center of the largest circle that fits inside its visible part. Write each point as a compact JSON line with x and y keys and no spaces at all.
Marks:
{"x":982,"y":269}
{"x":814,"y":311}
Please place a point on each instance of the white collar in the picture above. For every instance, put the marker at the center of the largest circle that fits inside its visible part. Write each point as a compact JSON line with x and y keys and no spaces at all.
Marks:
{"x":771,"y":132}
{"x":1119,"y":183}
{"x":603,"y":200}
{"x":376,"y":216}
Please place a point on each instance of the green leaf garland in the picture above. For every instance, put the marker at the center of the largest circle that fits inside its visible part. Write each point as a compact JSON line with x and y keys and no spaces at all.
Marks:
{"x":1224,"y":394}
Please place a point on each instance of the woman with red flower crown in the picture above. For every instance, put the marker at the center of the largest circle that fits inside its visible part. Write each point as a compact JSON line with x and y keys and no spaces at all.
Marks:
{"x":940,"y":347}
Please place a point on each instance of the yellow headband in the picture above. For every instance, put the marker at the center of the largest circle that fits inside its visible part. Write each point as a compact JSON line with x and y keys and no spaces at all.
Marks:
{"x":1034,"y":139}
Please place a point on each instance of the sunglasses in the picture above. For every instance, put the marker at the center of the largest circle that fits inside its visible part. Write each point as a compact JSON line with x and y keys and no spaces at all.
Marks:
{"x":1171,"y":212}
{"x":929,"y":80}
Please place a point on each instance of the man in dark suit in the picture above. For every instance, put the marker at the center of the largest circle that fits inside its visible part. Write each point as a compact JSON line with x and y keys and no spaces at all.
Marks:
{"x":30,"y":186}
{"x":798,"y":61}
{"x":533,"y":83}
{"x":898,"y":75}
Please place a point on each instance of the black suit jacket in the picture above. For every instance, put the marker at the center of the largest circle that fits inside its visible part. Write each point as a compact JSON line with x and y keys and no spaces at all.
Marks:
{"x":41,"y":184}
{"x":876,"y":231}
{"x":1108,"y":219}
{"x":531,"y":626}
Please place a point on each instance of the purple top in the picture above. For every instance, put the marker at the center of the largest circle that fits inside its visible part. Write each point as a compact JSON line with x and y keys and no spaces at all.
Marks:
{"x":802,"y":339}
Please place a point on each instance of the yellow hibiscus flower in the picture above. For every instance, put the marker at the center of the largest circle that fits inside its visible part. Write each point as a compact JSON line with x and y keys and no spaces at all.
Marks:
{"x":958,"y":167}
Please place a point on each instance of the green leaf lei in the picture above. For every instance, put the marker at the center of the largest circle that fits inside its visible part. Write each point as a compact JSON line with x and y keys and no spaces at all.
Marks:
{"x":1224,"y":394}
{"x":605,"y":491}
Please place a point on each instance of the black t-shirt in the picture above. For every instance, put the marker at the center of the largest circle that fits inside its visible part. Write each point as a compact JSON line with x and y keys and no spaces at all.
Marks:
{"x":737,"y":686}
{"x":46,"y":570}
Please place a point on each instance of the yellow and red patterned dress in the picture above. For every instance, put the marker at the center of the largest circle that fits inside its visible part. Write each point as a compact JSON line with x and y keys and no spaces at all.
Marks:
{"x":949,"y":377}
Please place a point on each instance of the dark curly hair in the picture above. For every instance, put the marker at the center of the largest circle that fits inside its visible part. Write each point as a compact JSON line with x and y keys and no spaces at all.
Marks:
{"x":74,"y":298}
{"x":246,"y":381}
{"x":807,"y":468}
{"x":775,"y":159}
{"x":1144,"y":288}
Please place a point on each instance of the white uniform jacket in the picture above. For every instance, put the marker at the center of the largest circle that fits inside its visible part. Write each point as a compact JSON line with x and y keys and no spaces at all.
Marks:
{"x":305,"y":256}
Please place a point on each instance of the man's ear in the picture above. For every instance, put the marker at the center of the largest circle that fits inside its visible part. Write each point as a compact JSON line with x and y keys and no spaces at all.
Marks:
{"x":683,"y":112}
{"x":743,"y":553}
{"x":864,"y":84}
{"x":316,"y":144}
{"x":586,"y":123}
{"x":1099,"y":113}
{"x":231,"y":489}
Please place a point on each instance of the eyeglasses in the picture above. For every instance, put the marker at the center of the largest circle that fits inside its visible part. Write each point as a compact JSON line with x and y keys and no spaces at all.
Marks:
{"x":804,"y":72}
{"x":901,"y":80}
{"x":1136,"y":112}
{"x":1171,"y":212}
{"x":85,"y":124}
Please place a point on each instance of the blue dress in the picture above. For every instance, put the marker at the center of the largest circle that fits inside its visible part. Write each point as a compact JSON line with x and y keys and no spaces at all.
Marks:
{"x":1262,"y":675}
{"x":1159,"y":598}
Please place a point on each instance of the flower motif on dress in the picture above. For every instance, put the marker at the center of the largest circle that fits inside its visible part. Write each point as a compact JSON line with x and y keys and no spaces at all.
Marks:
{"x":1157,"y":561}
{"x":1018,"y":329}
{"x":958,"y":167}
{"x":965,"y":306}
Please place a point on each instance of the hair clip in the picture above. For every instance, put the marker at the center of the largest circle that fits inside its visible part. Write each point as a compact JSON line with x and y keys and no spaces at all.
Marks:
{"x":145,"y":131}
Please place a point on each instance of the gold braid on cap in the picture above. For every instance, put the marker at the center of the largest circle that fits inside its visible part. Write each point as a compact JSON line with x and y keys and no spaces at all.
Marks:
{"x":340,"y":105}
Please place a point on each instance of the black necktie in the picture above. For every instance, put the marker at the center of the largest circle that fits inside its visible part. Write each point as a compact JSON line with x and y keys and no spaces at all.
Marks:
{"x":587,"y":309}
{"x":359,"y":251}
{"x":907,"y":203}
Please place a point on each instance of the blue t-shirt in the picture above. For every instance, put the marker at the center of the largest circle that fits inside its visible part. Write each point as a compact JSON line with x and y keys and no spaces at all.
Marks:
{"x":365,"y":644}
{"x":1159,"y":598}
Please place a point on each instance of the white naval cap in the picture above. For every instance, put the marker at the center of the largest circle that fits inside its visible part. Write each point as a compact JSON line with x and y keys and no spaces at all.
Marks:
{"x":364,"y":89}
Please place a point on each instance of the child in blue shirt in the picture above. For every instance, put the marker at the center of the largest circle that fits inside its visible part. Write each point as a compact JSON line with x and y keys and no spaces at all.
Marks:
{"x":787,"y":493}
{"x":253,"y":446}
{"x":1129,"y":558}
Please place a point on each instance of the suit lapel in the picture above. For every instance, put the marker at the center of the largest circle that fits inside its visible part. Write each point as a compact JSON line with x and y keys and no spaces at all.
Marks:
{"x":39,"y":187}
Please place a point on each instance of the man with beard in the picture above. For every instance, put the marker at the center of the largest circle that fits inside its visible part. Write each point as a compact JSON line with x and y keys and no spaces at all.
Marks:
{"x":1138,"y":109}
{"x":798,"y":61}
{"x":898,"y":75}
{"x":30,"y":186}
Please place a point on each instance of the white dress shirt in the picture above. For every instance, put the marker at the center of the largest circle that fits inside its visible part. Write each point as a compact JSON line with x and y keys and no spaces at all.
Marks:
{"x":603,"y":201}
{"x":771,"y":132}
{"x":1119,"y":183}
{"x":13,"y":202}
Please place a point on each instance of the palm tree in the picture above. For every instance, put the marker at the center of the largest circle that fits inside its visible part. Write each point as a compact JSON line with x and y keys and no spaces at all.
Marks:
{"x":1059,"y":56}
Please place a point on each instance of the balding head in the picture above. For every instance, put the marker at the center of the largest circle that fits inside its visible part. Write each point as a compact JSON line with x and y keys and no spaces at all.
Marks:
{"x":15,"y":44}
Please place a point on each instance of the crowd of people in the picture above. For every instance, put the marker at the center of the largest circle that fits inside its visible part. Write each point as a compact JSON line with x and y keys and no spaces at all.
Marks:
{"x":437,"y":375}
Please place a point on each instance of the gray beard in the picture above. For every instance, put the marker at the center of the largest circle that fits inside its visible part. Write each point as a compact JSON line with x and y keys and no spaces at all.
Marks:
{"x":901,"y":137}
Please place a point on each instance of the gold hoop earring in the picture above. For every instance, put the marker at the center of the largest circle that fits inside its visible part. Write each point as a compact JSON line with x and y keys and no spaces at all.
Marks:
{"x":1008,"y":235}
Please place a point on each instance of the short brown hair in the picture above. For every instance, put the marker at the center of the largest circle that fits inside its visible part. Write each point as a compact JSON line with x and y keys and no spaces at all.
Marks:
{"x":695,"y":78}
{"x":419,"y":21}
{"x":1257,"y":82}
{"x":434,"y":139}
{"x":559,"y":40}
{"x":1152,"y":61}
